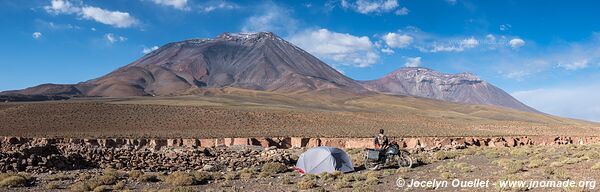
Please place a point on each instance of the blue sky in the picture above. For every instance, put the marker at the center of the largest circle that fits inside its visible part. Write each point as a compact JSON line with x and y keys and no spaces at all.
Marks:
{"x":545,"y":54}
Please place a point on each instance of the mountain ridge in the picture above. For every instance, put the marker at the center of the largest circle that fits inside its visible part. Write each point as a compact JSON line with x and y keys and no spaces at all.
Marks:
{"x":462,"y":87}
{"x":264,"y":61}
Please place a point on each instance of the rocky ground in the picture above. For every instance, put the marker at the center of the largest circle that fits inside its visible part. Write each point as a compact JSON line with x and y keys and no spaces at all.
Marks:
{"x":252,"y":168}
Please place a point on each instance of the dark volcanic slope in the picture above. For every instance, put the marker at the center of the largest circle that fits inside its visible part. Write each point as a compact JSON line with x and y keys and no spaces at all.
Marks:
{"x":462,"y":88}
{"x":260,"y":61}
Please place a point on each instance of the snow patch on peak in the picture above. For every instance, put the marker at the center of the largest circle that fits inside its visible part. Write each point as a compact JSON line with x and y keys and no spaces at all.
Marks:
{"x":420,"y":74}
{"x":245,"y":36}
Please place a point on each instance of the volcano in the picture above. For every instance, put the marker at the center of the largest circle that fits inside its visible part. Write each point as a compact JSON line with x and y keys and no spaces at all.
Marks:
{"x":257,"y":61}
{"x":461,"y":88}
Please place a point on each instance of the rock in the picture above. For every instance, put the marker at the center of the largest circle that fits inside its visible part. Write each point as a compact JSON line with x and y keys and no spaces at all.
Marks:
{"x":209,"y":168}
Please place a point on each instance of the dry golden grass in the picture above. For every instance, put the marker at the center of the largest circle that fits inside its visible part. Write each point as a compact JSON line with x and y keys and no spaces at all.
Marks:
{"x":244,"y":113}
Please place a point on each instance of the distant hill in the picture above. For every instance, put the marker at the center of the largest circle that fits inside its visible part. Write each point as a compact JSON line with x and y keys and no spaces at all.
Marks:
{"x":461,"y":88}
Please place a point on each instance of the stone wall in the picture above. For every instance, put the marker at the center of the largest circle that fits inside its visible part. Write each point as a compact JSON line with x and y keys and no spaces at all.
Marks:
{"x":43,"y":154}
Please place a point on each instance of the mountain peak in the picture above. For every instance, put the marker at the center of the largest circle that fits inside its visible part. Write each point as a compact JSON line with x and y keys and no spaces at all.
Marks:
{"x":258,"y":61}
{"x":245,"y":36}
{"x":461,"y":87}
{"x":420,"y":74}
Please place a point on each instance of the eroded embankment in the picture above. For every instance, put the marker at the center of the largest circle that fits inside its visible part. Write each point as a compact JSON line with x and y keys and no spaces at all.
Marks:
{"x":44,"y":154}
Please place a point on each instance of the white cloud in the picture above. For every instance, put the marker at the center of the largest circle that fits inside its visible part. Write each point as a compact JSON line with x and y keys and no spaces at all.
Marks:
{"x":402,"y":11}
{"x":341,"y":48}
{"x":413,"y":62}
{"x":387,"y":50}
{"x":452,"y":2}
{"x":61,"y":7}
{"x":217,"y":6}
{"x":575,"y":65}
{"x":371,"y":6}
{"x":517,"y":75}
{"x":111,"y":38}
{"x":271,"y":18}
{"x":469,"y":43}
{"x":36,"y":35}
{"x":505,"y":27}
{"x":113,"y":18}
{"x":147,"y":50}
{"x":490,"y":38}
{"x":516,"y":43}
{"x":460,"y":46}
{"x":579,"y":102}
{"x":177,"y":4}
{"x":395,"y":40}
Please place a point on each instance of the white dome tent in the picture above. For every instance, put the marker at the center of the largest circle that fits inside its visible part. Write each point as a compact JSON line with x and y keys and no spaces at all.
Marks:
{"x":324,"y":159}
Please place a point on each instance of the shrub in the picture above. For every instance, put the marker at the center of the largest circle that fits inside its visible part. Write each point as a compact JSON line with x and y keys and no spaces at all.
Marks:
{"x":148,"y":178}
{"x":372,"y":181}
{"x":286,"y":180}
{"x":514,"y":167}
{"x":52,"y":186}
{"x":592,"y":155}
{"x":120,"y":185}
{"x":135,"y":174}
{"x":441,"y":155}
{"x":13,"y":181}
{"x":340,"y":184}
{"x":84,"y":176}
{"x":264,"y":174}
{"x":80,"y":187}
{"x":519,"y":152}
{"x":308,"y":182}
{"x":108,"y":179}
{"x":59,"y":177}
{"x":572,"y":160}
{"x":535,"y":163}
{"x":348,"y":178}
{"x":560,"y":174}
{"x":203,"y":176}
{"x":403,"y":170}
{"x":388,"y":172}
{"x":330,"y":176}
{"x":231,"y":176}
{"x":556,"y":164}
{"x":110,"y":172}
{"x":180,"y":179}
{"x":274,"y":168}
{"x":511,"y":166}
{"x":491,"y":154}
{"x":596,"y":166}
{"x":102,"y":188}
{"x":4,"y":176}
{"x":246,"y":175}
{"x":360,"y":187}
{"x":359,"y":177}
{"x":446,"y":175}
{"x":463,"y":167}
